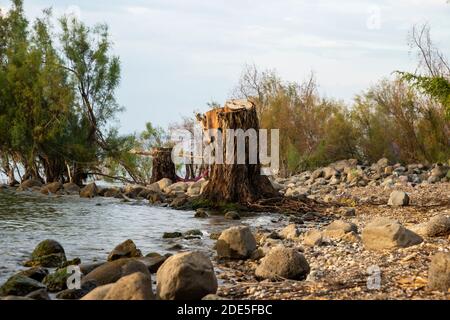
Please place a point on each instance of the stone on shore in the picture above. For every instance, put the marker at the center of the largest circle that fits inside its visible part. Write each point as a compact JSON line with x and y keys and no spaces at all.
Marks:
{"x":186,"y":276}
{"x":339,"y":228}
{"x":290,"y":232}
{"x":52,"y":188}
{"x":110,"y":272}
{"x":19,"y":285}
{"x":283,"y":263}
{"x":384,"y":233}
{"x":29,"y":184}
{"x":41,"y":294}
{"x":136,"y":286}
{"x":126,"y":249}
{"x":201,"y":213}
{"x":232,"y":215}
{"x":313,"y":238}
{"x":438,"y":226}
{"x":89,"y":191}
{"x":153,"y":263}
{"x":35,"y":273}
{"x":236,"y":243}
{"x":439,"y":272}
{"x":71,"y":188}
{"x":398,"y":199}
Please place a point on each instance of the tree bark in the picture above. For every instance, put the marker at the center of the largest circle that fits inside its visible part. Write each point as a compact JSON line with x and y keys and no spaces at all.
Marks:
{"x":163,"y":166}
{"x":237,"y":183}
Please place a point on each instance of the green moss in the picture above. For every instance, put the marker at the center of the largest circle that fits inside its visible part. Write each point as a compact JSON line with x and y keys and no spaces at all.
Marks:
{"x":57,"y":281}
{"x":20,"y":285}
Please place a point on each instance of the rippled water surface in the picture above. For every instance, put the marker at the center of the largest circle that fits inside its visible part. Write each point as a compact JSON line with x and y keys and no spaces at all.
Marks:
{"x":90,"y":229}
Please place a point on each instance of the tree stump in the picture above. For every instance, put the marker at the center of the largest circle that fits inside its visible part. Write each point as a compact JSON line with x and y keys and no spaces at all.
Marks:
{"x":163,"y":166}
{"x":236,"y":183}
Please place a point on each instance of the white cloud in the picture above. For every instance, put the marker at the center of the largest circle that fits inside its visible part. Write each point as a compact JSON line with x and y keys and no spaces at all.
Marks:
{"x":73,"y":10}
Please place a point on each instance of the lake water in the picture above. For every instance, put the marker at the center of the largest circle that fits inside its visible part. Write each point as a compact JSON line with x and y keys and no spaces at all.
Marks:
{"x":91,"y":228}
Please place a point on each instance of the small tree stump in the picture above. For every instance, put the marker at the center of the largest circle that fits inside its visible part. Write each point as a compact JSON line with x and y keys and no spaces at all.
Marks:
{"x":236,"y":183}
{"x":163,"y":166}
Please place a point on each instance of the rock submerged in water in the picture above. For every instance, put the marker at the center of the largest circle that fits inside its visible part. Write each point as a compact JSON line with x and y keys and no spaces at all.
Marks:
{"x":52,"y":188}
{"x":126,"y":249}
{"x":236,"y":243}
{"x":136,"y":286}
{"x":232,"y":215}
{"x":384,"y":233}
{"x":71,"y":188}
{"x":20,"y":285}
{"x":186,"y":276}
{"x":439,"y":272}
{"x":48,"y":254}
{"x":282,"y":262}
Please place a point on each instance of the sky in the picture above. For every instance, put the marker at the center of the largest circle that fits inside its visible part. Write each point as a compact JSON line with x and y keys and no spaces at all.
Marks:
{"x":177,"y":55}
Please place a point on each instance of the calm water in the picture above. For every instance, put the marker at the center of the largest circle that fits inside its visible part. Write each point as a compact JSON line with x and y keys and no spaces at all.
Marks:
{"x":90,"y":229}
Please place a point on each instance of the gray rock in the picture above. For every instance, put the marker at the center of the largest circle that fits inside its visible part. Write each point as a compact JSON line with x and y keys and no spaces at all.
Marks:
{"x":283,"y":262}
{"x":383,"y":233}
{"x":439,"y":272}
{"x":19,"y":285}
{"x":236,"y":243}
{"x":186,"y":276}
{"x":398,"y":199}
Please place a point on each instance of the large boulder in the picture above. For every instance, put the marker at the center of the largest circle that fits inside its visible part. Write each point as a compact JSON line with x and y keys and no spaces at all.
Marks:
{"x":89,"y":191}
{"x":19,"y":285}
{"x":164,"y":183}
{"x":186,"y":276}
{"x":398,"y":199}
{"x":236,"y":243}
{"x":29,"y":184}
{"x":52,"y":188}
{"x":282,"y":262}
{"x":48,"y":254}
{"x":71,"y":188}
{"x":126,"y":249}
{"x":439,"y":272}
{"x":383,"y":233}
{"x":136,"y":286}
{"x":153,"y":262}
{"x":110,"y":272}
{"x":438,"y":226}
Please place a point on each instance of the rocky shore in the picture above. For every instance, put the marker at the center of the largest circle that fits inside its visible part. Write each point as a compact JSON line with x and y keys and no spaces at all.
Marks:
{"x":382,"y":232}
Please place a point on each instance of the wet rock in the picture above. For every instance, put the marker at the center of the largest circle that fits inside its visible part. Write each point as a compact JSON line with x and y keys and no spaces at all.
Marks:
{"x":398,"y":199}
{"x":133,"y":192}
{"x":57,"y":281}
{"x":36,"y":273}
{"x":76,"y":294}
{"x":232,"y":215}
{"x":109,"y":192}
{"x":40,"y":294}
{"x":290,"y":232}
{"x":178,"y":202}
{"x":383,"y":233}
{"x":282,"y":262}
{"x":52,"y":188}
{"x":16,"y":298}
{"x":201,"y":213}
{"x":155,"y":197}
{"x":213,"y":297}
{"x":89,"y":191}
{"x":186,"y":276}
{"x":215,"y":235}
{"x":89,"y":267}
{"x":112,"y":271}
{"x":136,"y":286}
{"x":126,"y":249}
{"x":438,"y":226}
{"x":312,"y":238}
{"x":19,"y":285}
{"x":29,"y":184}
{"x":172,"y":235}
{"x":193,"y":234}
{"x":48,"y":254}
{"x":154,"y":262}
{"x":439,"y":272}
{"x":236,"y":243}
{"x":71,"y":188}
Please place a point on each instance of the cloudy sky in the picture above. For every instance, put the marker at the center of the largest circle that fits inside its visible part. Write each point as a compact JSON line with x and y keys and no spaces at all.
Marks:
{"x":179,"y":54}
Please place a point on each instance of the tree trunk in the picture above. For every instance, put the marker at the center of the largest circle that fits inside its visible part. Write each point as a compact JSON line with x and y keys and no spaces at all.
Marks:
{"x":236,"y":183}
{"x":163,"y":166}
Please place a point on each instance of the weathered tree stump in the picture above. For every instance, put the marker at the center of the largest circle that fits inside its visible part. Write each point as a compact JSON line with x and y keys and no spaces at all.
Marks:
{"x":236,"y":183}
{"x":163,"y":166}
